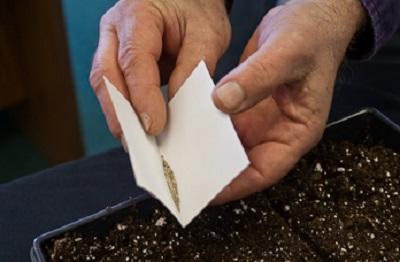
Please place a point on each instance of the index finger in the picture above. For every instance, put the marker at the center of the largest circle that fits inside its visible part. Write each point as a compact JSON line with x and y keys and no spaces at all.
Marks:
{"x":140,"y":44}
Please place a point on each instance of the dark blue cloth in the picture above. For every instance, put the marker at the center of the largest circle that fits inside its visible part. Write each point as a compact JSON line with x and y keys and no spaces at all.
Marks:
{"x":373,"y":83}
{"x":384,"y":17}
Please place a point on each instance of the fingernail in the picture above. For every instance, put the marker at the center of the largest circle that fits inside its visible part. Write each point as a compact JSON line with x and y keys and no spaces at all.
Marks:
{"x":231,"y":95}
{"x":146,"y":121}
{"x":124,"y":145}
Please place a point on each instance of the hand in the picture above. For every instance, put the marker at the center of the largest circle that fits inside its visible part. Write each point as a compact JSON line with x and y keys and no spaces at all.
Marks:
{"x":280,"y":94}
{"x":144,"y":42}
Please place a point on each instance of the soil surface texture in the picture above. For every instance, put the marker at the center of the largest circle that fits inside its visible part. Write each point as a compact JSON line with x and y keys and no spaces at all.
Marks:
{"x":346,"y":205}
{"x":340,"y":203}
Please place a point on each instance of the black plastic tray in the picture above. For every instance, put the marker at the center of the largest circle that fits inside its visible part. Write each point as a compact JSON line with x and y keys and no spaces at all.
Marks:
{"x":351,"y":128}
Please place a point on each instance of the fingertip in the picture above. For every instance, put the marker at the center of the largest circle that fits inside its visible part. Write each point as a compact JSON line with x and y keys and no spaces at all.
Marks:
{"x":152,"y":125}
{"x":222,"y":197}
{"x":217,"y":101}
{"x":155,"y":131}
{"x":229,"y":97}
{"x":152,"y":112}
{"x":218,"y":104}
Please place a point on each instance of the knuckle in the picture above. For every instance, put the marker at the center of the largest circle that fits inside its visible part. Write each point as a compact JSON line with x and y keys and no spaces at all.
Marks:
{"x":124,"y":5}
{"x":142,"y":5}
{"x":127,"y":56}
{"x":295,"y":46}
{"x":123,"y":10}
{"x":129,"y":7}
{"x":105,"y":19}
{"x":271,"y":13}
{"x":275,"y":10}
{"x":298,"y":40}
{"x":259,"y":71}
{"x":266,"y":18}
{"x":260,"y":67}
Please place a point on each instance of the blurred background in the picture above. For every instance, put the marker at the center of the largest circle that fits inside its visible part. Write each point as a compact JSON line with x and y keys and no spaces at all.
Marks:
{"x":49,"y":114}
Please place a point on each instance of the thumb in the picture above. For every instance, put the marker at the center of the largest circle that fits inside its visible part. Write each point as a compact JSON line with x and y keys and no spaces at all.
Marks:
{"x":257,"y":77}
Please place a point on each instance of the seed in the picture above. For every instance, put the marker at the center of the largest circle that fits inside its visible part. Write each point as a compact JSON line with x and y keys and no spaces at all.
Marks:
{"x":171,"y":181}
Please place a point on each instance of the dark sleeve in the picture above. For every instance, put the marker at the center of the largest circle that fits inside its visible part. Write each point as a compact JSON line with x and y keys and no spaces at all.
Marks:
{"x":228,"y":5}
{"x":384,"y":20}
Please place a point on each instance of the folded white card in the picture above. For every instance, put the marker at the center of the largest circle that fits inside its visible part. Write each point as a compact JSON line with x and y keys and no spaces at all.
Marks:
{"x":201,"y":149}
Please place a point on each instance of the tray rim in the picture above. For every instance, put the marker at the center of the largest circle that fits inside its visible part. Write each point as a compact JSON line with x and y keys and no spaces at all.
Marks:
{"x":367,"y":110}
{"x":36,"y":251}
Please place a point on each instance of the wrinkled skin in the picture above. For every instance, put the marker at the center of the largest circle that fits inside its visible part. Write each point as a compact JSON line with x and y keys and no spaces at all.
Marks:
{"x":278,"y":97}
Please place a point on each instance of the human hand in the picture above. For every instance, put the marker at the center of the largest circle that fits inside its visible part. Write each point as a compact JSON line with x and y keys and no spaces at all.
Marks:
{"x":143,"y":43}
{"x":280,"y":94}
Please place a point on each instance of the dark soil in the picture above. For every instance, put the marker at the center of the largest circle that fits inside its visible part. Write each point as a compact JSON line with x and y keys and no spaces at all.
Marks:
{"x":341,"y":202}
{"x":347,"y":205}
{"x":227,"y":233}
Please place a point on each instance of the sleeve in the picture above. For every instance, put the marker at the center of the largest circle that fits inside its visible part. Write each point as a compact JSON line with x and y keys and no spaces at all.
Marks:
{"x":384,"y":20}
{"x":229,"y":4}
